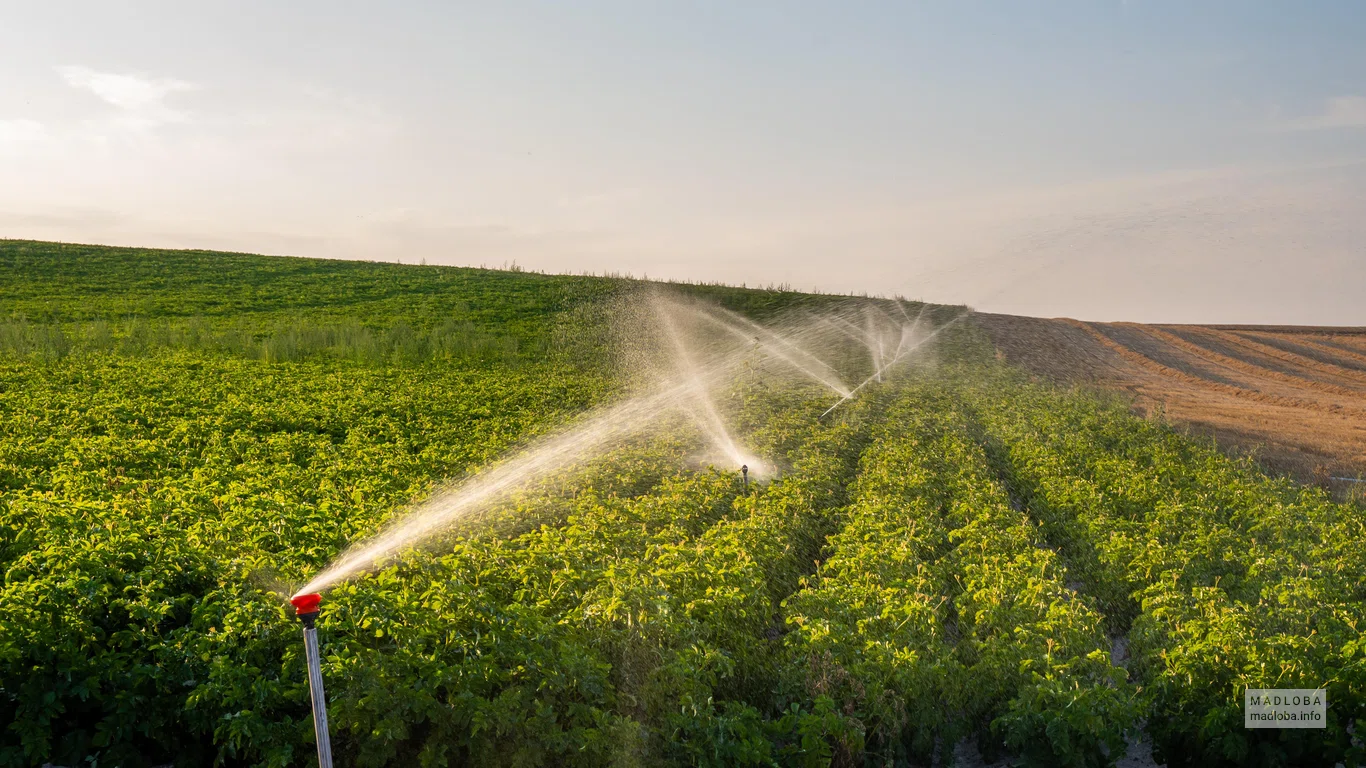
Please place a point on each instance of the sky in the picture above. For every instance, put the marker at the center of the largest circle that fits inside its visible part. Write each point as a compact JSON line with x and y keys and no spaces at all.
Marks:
{"x":1126,"y":160}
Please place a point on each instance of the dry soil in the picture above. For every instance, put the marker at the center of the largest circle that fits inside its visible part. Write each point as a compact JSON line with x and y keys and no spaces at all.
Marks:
{"x":1292,"y":396}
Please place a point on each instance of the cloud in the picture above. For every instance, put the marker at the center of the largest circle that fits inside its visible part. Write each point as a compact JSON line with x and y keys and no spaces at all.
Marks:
{"x":21,"y":130}
{"x":1339,"y":112}
{"x":141,"y":99}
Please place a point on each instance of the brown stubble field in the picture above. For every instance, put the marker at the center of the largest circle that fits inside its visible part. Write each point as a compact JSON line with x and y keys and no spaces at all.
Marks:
{"x":1292,"y":396}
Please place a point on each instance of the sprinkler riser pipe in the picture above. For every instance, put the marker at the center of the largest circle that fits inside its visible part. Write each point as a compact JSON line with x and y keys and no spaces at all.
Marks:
{"x":306,"y":606}
{"x":315,"y":687}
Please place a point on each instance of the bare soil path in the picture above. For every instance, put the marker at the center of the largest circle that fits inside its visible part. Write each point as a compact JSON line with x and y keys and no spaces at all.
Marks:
{"x":1294,"y":396}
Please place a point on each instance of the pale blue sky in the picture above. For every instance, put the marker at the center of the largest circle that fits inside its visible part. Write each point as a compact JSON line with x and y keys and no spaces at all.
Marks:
{"x":1178,"y":161}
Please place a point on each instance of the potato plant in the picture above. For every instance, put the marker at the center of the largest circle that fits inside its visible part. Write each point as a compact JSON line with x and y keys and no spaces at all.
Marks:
{"x":938,"y":614}
{"x":956,"y":554}
{"x":1222,"y":578}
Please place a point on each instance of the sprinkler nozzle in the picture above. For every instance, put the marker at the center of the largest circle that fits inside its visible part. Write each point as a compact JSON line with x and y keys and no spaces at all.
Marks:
{"x":744,"y":474}
{"x":306,"y":607}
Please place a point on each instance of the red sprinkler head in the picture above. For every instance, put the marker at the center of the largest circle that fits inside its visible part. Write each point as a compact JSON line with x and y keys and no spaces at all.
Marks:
{"x":306,"y":606}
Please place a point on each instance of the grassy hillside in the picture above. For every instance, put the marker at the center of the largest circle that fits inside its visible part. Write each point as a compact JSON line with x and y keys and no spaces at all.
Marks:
{"x":56,"y":297}
{"x":956,"y":555}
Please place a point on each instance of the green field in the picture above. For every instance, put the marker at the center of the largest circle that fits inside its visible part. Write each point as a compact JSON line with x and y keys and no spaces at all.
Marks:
{"x":958,"y":554}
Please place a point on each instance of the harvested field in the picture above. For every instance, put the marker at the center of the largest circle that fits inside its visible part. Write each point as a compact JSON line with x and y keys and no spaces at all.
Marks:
{"x":1295,"y":397}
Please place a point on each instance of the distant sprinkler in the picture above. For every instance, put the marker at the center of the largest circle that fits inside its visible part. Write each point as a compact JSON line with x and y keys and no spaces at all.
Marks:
{"x":744,"y":475}
{"x":306,"y":607}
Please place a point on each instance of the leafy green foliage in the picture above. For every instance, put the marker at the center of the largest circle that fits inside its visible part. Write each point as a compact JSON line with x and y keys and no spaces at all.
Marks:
{"x":955,"y":554}
{"x":1223,"y":578}
{"x":939,"y":615}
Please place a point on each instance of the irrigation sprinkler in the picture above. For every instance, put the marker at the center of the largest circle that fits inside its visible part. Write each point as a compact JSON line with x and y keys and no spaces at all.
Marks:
{"x":306,"y":607}
{"x":744,"y":475}
{"x":896,"y":359}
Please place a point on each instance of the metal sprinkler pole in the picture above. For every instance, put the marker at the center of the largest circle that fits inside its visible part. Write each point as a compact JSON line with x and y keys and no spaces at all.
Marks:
{"x":306,"y":606}
{"x":744,"y":475}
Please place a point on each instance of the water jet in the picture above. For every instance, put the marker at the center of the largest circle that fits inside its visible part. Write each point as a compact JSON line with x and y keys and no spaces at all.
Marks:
{"x":698,"y":360}
{"x":902,"y":352}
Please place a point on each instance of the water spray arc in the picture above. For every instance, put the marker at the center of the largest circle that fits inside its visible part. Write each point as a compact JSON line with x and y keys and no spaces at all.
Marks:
{"x":707,"y":348}
{"x":306,"y":608}
{"x":873,"y":335}
{"x":781,"y":348}
{"x":842,"y":326}
{"x":703,"y":410}
{"x":872,"y":338}
{"x":552,"y":455}
{"x":901,"y":353}
{"x":556,"y":454}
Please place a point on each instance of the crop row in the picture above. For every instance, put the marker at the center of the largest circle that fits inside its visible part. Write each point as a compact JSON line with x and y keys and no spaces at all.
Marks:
{"x":939,"y":560}
{"x":147,"y":505}
{"x":1222,"y":578}
{"x":642,"y":627}
{"x":939,"y":615}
